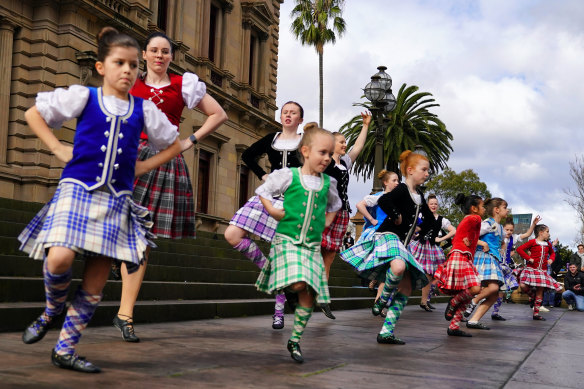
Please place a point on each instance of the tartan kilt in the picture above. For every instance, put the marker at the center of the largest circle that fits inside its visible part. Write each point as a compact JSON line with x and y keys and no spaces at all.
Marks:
{"x":254,"y":218}
{"x":366,"y":235}
{"x":168,"y":193}
{"x":539,"y":278}
{"x":428,"y":255}
{"x":457,"y":273}
{"x":89,"y":223}
{"x":510,"y":279}
{"x":332,"y":237}
{"x":289,"y":263}
{"x":371,"y":259}
{"x":488,"y":267}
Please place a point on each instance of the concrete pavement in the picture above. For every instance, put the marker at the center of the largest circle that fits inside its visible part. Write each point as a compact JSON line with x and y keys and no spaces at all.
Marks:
{"x":247,"y":353}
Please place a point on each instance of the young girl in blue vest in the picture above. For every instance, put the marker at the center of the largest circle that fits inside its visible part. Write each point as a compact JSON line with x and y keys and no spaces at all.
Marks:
{"x":507,"y":264}
{"x":310,"y":202}
{"x":385,"y":257}
{"x":374,"y":216}
{"x":92,"y":213}
{"x":487,"y":260}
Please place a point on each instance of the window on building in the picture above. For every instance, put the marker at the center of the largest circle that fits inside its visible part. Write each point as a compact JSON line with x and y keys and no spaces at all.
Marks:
{"x":243,"y":185}
{"x":213,"y":32}
{"x":162,"y":14}
{"x":203,"y":181}
{"x":252,"y":54}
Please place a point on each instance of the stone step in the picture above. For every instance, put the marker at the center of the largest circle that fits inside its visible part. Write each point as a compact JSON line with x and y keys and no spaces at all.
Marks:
{"x":161,"y":267}
{"x":23,"y":289}
{"x":22,"y":314}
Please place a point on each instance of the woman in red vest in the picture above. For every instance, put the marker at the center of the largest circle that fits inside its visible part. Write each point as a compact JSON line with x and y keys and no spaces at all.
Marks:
{"x":167,"y":191}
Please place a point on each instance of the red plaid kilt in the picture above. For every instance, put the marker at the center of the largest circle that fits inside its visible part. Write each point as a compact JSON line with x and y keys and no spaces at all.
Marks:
{"x":332,"y":237}
{"x":539,"y":278}
{"x":457,"y":273}
{"x":168,"y":194}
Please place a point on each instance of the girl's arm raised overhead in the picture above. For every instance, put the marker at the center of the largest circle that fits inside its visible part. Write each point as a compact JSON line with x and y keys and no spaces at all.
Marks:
{"x":360,"y":142}
{"x":528,"y":233}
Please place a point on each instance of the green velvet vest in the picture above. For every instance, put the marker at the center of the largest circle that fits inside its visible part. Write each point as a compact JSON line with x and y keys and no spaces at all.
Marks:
{"x":305,"y":209}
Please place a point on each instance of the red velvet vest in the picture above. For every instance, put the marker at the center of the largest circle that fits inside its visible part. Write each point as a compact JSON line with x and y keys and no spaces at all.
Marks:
{"x":168,"y":98}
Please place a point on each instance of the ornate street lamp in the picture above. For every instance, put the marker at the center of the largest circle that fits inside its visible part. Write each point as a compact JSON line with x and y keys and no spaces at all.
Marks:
{"x":378,"y":91}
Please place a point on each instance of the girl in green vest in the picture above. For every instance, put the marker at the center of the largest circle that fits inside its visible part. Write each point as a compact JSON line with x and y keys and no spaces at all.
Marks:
{"x":310,"y":202}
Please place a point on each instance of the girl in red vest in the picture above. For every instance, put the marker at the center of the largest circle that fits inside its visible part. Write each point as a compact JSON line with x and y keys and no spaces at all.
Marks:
{"x":538,"y":253}
{"x":167,"y":191}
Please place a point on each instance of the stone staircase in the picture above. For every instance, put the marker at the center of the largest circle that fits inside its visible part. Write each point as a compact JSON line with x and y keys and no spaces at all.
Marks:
{"x":185,"y":280}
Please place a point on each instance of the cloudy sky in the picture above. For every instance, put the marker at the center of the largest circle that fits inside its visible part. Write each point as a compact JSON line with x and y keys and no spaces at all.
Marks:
{"x":508,"y":75}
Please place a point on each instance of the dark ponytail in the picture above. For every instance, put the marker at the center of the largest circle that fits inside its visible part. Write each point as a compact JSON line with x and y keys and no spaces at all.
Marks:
{"x":466,"y":202}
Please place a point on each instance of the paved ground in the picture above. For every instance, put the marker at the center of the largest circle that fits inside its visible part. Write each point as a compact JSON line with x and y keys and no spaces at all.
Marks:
{"x":247,"y":353}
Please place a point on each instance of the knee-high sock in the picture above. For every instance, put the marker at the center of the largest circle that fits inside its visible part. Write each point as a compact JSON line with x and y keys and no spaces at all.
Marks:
{"x":78,"y":316}
{"x":462,"y":299}
{"x":393,"y":312}
{"x":497,"y":305}
{"x":56,"y":289}
{"x":536,"y":306}
{"x":250,"y":249}
{"x":280,"y":301}
{"x":391,"y":283}
{"x":301,"y":316}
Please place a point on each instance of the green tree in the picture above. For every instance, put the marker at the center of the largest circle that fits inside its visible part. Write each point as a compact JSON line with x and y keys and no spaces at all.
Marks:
{"x":311,"y":26}
{"x":410,"y":124}
{"x":448,"y":184}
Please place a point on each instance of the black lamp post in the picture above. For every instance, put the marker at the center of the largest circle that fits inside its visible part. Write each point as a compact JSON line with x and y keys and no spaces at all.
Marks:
{"x":378,"y":91}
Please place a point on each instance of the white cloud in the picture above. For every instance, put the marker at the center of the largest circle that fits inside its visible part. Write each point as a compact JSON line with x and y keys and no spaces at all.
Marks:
{"x":507,"y":74}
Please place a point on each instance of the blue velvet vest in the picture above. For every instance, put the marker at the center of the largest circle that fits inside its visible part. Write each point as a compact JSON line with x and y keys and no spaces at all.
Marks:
{"x":105,"y":146}
{"x":494,"y":238}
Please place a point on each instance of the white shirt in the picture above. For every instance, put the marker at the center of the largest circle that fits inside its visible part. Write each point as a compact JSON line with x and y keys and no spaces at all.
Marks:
{"x":279,"y":180}
{"x":192,"y":89}
{"x":61,"y":105}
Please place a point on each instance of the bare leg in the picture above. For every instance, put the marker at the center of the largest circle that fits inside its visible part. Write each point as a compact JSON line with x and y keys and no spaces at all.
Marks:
{"x":491,"y":298}
{"x":426,"y":290}
{"x":131,"y":284}
{"x":328,"y":257}
{"x":234,"y":235}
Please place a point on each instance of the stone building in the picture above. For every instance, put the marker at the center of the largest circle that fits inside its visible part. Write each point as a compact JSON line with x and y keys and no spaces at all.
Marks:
{"x":231,"y":45}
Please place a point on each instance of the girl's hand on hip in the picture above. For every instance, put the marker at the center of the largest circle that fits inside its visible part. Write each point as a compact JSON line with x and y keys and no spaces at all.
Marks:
{"x":63,"y":152}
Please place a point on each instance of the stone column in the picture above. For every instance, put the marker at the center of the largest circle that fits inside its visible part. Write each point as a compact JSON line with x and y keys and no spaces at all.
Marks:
{"x":6,"y":45}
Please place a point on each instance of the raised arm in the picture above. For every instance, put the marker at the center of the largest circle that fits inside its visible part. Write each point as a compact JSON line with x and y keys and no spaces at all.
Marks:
{"x":528,"y":233}
{"x":360,"y":142}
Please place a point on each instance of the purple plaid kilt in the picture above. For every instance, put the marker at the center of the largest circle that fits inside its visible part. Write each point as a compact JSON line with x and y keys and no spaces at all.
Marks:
{"x":168,"y":193}
{"x":430,"y":256}
{"x":457,"y":273}
{"x":488,"y":267}
{"x":539,"y":278}
{"x":89,"y":223}
{"x":332,"y":237}
{"x":371,"y":259}
{"x":254,"y":218}
{"x":510,"y":279}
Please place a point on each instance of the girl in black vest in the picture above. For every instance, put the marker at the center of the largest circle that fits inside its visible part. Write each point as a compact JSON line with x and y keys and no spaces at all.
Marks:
{"x":282,"y":151}
{"x":426,"y":249}
{"x":332,"y":237}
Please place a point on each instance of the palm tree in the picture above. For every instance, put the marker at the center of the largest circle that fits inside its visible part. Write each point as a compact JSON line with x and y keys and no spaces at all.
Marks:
{"x":410,"y":124}
{"x":311,"y":26}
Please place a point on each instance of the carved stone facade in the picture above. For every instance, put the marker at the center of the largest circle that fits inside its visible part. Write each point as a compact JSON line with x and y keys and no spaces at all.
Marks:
{"x":231,"y":45}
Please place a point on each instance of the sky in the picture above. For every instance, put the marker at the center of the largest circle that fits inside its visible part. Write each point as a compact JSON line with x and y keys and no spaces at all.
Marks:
{"x":508,"y":75}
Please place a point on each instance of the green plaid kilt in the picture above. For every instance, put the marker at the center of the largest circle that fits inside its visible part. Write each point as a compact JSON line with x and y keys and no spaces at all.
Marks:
{"x":371,"y":259}
{"x":289,"y":263}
